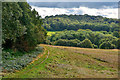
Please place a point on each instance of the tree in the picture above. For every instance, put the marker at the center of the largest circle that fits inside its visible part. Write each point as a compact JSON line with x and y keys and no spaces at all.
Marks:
{"x":116,"y":34}
{"x":107,"y":45}
{"x":22,"y":28}
{"x":86,"y":44}
{"x":65,"y":42}
{"x":75,"y":22}
{"x":95,"y":37}
{"x":95,"y":46}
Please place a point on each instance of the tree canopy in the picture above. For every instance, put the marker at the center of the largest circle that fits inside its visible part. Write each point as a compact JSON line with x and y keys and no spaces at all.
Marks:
{"x":84,"y":38}
{"x":21,"y":26}
{"x":75,"y":22}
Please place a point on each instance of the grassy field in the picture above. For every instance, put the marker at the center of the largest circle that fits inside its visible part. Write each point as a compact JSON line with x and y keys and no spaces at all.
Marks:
{"x":69,"y":62}
{"x":50,"y":33}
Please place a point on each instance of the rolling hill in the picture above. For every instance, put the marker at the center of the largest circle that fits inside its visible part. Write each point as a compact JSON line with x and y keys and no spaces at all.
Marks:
{"x":75,"y":22}
{"x":71,"y":62}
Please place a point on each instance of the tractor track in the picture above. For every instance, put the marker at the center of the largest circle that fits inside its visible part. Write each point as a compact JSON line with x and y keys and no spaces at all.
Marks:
{"x":39,"y":62}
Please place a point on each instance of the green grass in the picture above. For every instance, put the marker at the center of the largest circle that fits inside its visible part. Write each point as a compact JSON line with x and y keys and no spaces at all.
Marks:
{"x":50,"y":33}
{"x":71,"y":62}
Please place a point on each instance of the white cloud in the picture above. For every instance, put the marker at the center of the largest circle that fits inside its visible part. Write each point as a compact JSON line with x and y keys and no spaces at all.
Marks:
{"x":105,"y":12}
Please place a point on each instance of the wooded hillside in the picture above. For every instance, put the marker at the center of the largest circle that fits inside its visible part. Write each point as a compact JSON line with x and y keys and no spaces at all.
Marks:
{"x":75,"y":22}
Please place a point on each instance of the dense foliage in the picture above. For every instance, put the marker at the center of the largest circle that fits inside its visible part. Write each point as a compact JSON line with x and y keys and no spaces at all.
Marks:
{"x":107,"y":45}
{"x":65,"y":42}
{"x":84,"y":38}
{"x":86,"y":44}
{"x":21,"y":27}
{"x":75,"y":22}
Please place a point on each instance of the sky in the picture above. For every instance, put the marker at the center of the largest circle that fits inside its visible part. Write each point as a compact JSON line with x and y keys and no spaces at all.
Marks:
{"x":73,"y":0}
{"x":106,"y":11}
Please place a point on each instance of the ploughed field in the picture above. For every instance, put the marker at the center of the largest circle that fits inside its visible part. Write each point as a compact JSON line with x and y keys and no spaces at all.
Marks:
{"x":71,"y":62}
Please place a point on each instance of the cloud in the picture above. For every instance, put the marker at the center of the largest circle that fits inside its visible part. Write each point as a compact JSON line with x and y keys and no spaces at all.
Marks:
{"x":105,"y":12}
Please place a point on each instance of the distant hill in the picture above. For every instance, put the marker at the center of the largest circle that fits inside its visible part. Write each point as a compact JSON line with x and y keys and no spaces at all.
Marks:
{"x":75,"y":22}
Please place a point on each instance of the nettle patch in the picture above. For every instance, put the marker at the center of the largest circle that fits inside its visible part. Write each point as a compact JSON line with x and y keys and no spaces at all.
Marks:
{"x":12,"y":62}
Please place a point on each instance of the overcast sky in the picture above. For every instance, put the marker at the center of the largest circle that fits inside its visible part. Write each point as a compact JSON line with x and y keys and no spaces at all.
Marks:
{"x":73,"y":0}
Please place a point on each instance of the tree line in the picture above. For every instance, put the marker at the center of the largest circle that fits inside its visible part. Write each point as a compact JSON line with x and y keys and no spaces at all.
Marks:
{"x":21,"y":27}
{"x":85,"y":38}
{"x":75,"y":22}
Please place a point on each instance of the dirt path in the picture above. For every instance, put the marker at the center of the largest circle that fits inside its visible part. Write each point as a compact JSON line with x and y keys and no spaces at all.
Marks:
{"x":35,"y":59}
{"x":39,"y":56}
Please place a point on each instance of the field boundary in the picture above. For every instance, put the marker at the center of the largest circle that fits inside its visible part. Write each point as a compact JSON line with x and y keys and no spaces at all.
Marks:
{"x":79,"y":47}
